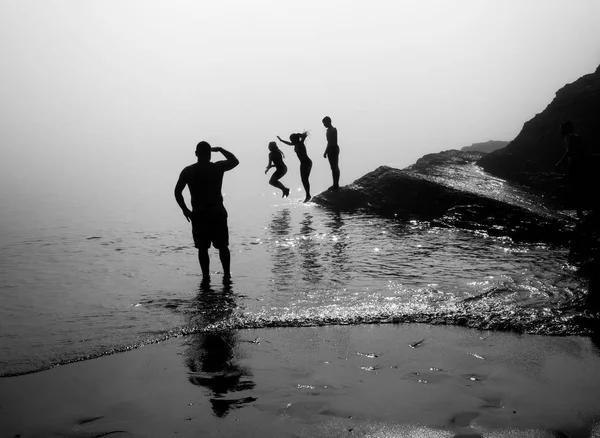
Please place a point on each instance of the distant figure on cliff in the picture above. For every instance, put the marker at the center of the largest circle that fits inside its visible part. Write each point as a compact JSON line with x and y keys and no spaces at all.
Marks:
{"x":276,"y":161}
{"x":297,"y":140}
{"x":578,"y":165}
{"x":332,"y":151}
{"x":208,"y":214}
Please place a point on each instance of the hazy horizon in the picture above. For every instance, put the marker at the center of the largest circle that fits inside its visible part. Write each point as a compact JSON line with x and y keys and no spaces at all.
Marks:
{"x":99,"y":97}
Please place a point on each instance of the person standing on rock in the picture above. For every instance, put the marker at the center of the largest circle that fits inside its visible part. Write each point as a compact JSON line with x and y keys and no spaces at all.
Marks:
{"x":332,"y":151}
{"x":578,"y":161}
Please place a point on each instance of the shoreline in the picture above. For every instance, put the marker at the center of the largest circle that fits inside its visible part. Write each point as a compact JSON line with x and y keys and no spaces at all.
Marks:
{"x":374,"y":380}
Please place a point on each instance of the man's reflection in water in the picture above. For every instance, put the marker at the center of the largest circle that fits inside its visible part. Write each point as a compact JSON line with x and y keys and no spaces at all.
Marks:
{"x":337,"y":253}
{"x":308,"y":248}
{"x":212,"y":357}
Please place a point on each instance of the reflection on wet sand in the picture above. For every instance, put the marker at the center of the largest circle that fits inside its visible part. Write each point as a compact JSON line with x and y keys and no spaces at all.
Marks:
{"x":212,"y":356}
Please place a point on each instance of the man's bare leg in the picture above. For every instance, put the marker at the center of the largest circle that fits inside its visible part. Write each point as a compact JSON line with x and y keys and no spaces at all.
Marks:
{"x":225,"y":257}
{"x":336,"y":178}
{"x":204,"y":260}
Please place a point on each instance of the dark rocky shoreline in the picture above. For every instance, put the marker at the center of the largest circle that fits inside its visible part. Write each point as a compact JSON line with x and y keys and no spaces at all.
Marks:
{"x":514,"y":191}
{"x":448,"y":189}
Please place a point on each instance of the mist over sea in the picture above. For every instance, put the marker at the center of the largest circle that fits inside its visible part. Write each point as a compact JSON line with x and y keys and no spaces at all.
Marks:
{"x":88,"y":273}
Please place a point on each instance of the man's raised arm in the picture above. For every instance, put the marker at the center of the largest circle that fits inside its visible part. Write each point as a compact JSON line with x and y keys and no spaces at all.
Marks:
{"x":231,"y":160}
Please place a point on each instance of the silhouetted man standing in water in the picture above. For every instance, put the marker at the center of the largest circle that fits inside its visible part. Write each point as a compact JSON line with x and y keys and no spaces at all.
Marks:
{"x":578,"y":159}
{"x":208,"y":214}
{"x":332,"y":151}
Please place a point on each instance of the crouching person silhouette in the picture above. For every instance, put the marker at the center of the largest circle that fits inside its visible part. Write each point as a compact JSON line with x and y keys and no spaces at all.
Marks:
{"x":208,"y":215}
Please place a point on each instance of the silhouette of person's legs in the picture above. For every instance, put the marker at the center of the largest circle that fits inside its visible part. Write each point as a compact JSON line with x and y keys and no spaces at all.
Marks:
{"x":201,"y":242}
{"x":210,"y":227}
{"x":204,"y":260}
{"x":579,"y":187}
{"x":335,"y":169}
{"x":219,"y":236}
{"x":274,"y":181}
{"x":304,"y":174}
{"x":225,"y":257}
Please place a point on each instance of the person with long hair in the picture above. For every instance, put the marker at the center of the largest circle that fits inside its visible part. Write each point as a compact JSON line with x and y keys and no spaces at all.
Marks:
{"x":297,"y":140}
{"x":276,"y":161}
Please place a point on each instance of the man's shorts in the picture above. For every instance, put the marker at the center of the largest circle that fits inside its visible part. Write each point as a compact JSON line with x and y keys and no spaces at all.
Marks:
{"x":210,"y":226}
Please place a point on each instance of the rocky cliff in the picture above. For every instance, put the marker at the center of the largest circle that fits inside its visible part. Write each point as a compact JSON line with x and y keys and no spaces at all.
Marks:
{"x":518,"y":194}
{"x":531,"y":157}
{"x":540,"y":145}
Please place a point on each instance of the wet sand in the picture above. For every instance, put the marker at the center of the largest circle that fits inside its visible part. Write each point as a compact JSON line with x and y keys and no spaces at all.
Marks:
{"x":339,"y":381}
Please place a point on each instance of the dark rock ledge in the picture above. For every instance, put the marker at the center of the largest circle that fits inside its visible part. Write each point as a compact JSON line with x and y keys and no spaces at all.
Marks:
{"x":449,"y":190}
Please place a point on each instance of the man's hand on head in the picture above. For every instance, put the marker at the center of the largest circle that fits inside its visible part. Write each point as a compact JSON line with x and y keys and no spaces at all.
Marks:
{"x":216,"y":149}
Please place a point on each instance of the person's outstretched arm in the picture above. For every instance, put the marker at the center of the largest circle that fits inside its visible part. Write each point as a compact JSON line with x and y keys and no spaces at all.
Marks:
{"x":283,"y":141}
{"x":181,"y":183}
{"x":230,"y":160}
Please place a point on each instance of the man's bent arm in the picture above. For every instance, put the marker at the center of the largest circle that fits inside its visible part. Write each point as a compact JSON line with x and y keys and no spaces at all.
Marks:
{"x":231,"y":162}
{"x":564,"y":157}
{"x":181,"y":183}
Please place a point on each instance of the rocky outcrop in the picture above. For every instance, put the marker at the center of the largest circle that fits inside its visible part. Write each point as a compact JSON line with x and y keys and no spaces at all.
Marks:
{"x":449,"y":189}
{"x":488,"y":146}
{"x":540,"y":145}
{"x":531,"y":157}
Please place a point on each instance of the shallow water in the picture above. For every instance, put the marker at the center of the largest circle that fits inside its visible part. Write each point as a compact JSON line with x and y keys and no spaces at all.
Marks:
{"x":72,"y":287}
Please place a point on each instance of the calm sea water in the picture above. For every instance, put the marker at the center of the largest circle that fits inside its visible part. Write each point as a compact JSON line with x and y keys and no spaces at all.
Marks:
{"x":77,"y":282}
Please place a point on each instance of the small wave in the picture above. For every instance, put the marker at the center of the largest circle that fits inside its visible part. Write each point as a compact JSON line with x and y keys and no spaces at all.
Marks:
{"x":469,"y":313}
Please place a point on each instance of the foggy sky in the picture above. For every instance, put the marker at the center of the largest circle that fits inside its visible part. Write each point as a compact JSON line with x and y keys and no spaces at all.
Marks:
{"x":105,"y":94}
